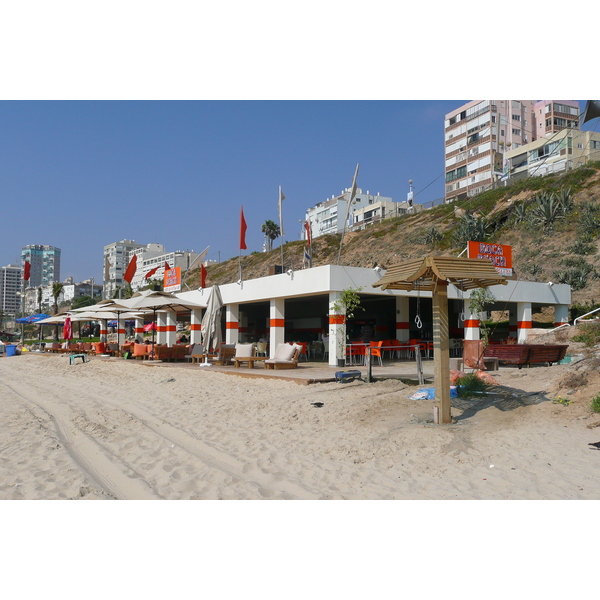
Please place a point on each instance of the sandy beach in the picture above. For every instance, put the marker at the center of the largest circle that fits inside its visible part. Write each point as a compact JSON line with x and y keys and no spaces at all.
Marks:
{"x":115,"y":429}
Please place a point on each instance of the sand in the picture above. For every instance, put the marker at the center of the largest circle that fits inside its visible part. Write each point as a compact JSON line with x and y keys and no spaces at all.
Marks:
{"x":115,"y":429}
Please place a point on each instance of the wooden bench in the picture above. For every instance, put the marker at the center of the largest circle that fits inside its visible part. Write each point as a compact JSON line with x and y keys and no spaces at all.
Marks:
{"x":526,"y":354}
{"x":249,"y":359}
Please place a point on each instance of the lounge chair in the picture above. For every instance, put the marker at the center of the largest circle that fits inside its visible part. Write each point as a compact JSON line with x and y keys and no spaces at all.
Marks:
{"x":286,"y":357}
{"x":226,"y":354}
{"x":140,"y":351}
{"x":161,"y":352}
{"x":196,"y":353}
{"x":245,"y":353}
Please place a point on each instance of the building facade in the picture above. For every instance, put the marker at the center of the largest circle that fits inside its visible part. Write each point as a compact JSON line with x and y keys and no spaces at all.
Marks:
{"x":329,"y":216}
{"x":155,"y":256}
{"x":116,"y":259}
{"x":564,"y":150}
{"x":11,"y":281}
{"x":45,"y":264}
{"x":479,"y":134}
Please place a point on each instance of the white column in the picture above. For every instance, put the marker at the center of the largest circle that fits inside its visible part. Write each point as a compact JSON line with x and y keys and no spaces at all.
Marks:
{"x":402,"y":318}
{"x":523,"y":321}
{"x":277,"y":324}
{"x":139,"y":328}
{"x":161,"y":327}
{"x":561,"y":314}
{"x":337,"y":331}
{"x":103,"y":330}
{"x":171,"y":325}
{"x":195,"y":326}
{"x":471,"y":323}
{"x":232,"y":323}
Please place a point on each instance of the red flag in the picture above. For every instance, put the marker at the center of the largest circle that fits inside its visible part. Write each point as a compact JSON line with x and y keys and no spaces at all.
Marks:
{"x":27,"y":271}
{"x":131,"y":268}
{"x":307,"y":227}
{"x":202,"y":276}
{"x":167,"y":267}
{"x":243,"y":228}
{"x":151,"y":272}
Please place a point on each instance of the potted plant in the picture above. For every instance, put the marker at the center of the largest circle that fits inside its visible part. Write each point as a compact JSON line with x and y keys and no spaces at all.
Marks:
{"x":346,"y":306}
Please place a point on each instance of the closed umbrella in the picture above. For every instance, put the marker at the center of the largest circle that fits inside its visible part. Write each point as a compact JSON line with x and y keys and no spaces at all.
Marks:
{"x":68,"y":330}
{"x":211,"y":322}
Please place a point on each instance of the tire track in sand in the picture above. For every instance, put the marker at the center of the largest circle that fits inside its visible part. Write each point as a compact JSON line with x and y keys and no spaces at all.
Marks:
{"x":108,"y":471}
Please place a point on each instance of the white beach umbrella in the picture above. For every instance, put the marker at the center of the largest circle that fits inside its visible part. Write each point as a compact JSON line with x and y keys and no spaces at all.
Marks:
{"x":210,"y":329}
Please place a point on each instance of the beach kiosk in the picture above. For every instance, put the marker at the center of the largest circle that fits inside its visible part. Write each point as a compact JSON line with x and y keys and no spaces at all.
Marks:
{"x":434,"y":274}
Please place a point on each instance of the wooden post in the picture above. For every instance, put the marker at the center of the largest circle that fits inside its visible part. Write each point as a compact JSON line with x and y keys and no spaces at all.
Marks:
{"x":441,"y":354}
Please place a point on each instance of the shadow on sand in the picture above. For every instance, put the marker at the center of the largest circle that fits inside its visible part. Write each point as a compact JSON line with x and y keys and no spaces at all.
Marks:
{"x":500,"y":397}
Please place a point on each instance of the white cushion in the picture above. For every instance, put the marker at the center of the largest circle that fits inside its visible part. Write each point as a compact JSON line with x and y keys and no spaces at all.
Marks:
{"x":284,"y":352}
{"x":244,"y":350}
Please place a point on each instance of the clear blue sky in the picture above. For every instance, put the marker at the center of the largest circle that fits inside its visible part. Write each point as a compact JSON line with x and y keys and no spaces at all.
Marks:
{"x":82,"y":174}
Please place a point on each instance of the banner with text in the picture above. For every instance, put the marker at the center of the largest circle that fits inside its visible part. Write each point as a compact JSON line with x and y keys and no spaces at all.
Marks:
{"x":172,"y":280}
{"x":500,"y":255}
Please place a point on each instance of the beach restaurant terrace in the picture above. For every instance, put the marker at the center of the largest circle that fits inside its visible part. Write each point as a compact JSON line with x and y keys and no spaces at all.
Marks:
{"x":299,"y":306}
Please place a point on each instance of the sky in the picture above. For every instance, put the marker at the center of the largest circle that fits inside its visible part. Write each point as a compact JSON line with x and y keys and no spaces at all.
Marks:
{"x":79,"y":175}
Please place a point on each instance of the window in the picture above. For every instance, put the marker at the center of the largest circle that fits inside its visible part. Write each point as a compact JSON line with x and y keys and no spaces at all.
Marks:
{"x":516,"y":117}
{"x":516,"y":132}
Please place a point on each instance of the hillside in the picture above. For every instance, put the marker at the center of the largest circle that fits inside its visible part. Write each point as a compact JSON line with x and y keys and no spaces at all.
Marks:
{"x":552,"y":223}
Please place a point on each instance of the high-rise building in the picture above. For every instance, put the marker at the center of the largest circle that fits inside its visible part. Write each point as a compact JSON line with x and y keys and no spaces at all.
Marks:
{"x":479,"y":133}
{"x":116,"y":259}
{"x":45,"y":264}
{"x":11,"y":278}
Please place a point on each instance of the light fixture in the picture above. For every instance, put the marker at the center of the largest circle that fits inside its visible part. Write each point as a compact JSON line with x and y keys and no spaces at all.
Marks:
{"x":550,"y":284}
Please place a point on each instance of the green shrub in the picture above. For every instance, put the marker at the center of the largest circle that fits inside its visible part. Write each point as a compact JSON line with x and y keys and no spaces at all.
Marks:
{"x":469,"y":385}
{"x":595,"y":404}
{"x":589,"y":334}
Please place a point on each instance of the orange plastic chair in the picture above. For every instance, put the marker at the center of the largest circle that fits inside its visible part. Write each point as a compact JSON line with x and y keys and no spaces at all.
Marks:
{"x":377,"y":351}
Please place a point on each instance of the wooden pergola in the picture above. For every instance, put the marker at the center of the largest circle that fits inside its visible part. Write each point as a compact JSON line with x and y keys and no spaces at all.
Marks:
{"x":433,"y":274}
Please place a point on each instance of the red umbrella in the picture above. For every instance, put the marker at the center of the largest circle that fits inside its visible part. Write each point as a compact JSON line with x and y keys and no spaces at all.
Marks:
{"x":68,"y":329}
{"x":150,"y":327}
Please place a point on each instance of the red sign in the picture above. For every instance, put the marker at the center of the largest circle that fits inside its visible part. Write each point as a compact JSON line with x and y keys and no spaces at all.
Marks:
{"x":500,"y":255}
{"x":172,"y":280}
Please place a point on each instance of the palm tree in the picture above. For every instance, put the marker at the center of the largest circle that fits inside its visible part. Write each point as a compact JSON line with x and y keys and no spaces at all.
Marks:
{"x":271,"y":231}
{"x":57,"y":289}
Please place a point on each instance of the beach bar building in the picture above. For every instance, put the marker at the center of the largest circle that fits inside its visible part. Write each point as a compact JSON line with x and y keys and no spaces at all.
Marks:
{"x":299,"y":306}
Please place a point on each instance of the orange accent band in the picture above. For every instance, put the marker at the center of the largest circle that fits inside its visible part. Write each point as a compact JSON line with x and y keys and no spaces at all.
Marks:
{"x":232,"y":325}
{"x":524,"y":324}
{"x":139,"y":330}
{"x":337,"y":319}
{"x":559,"y":324}
{"x":171,"y":328}
{"x":402,"y":325}
{"x":161,"y":328}
{"x":195,"y":327}
{"x":277,"y":322}
{"x":121,"y":331}
{"x":471,"y":322}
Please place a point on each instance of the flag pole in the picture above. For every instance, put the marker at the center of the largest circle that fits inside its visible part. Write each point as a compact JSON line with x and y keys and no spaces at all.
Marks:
{"x":350,"y":198}
{"x":281,"y":198}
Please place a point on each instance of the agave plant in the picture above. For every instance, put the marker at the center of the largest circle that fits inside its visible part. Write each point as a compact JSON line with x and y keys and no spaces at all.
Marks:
{"x":546,"y":209}
{"x":470,"y":229}
{"x":520,"y":213}
{"x":432,"y":236}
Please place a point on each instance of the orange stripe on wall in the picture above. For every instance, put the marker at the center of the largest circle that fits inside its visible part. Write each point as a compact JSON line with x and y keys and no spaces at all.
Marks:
{"x":336,"y":319}
{"x":403,"y":325}
{"x":161,"y":328}
{"x":472,"y":323}
{"x":232,"y":325}
{"x":171,"y":328}
{"x":524,"y":324}
{"x":195,"y":327}
{"x":277,"y":323}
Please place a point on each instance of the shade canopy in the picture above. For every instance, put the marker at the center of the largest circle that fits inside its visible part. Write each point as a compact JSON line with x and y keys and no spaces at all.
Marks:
{"x":157,"y":300}
{"x":423,"y":274}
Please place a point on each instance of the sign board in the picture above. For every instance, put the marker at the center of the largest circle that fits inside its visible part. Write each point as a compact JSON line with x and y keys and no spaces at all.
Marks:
{"x":500,"y":255}
{"x":172,"y":280}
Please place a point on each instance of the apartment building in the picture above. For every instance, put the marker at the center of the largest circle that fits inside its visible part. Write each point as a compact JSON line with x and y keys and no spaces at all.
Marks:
{"x":329,"y":216}
{"x":564,"y":150}
{"x":45,"y":264}
{"x":479,"y":134}
{"x":116,"y":259}
{"x":154,"y":256}
{"x":11,"y":278}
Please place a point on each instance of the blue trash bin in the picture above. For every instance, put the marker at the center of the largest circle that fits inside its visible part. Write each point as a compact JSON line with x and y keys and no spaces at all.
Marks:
{"x":11,"y":349}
